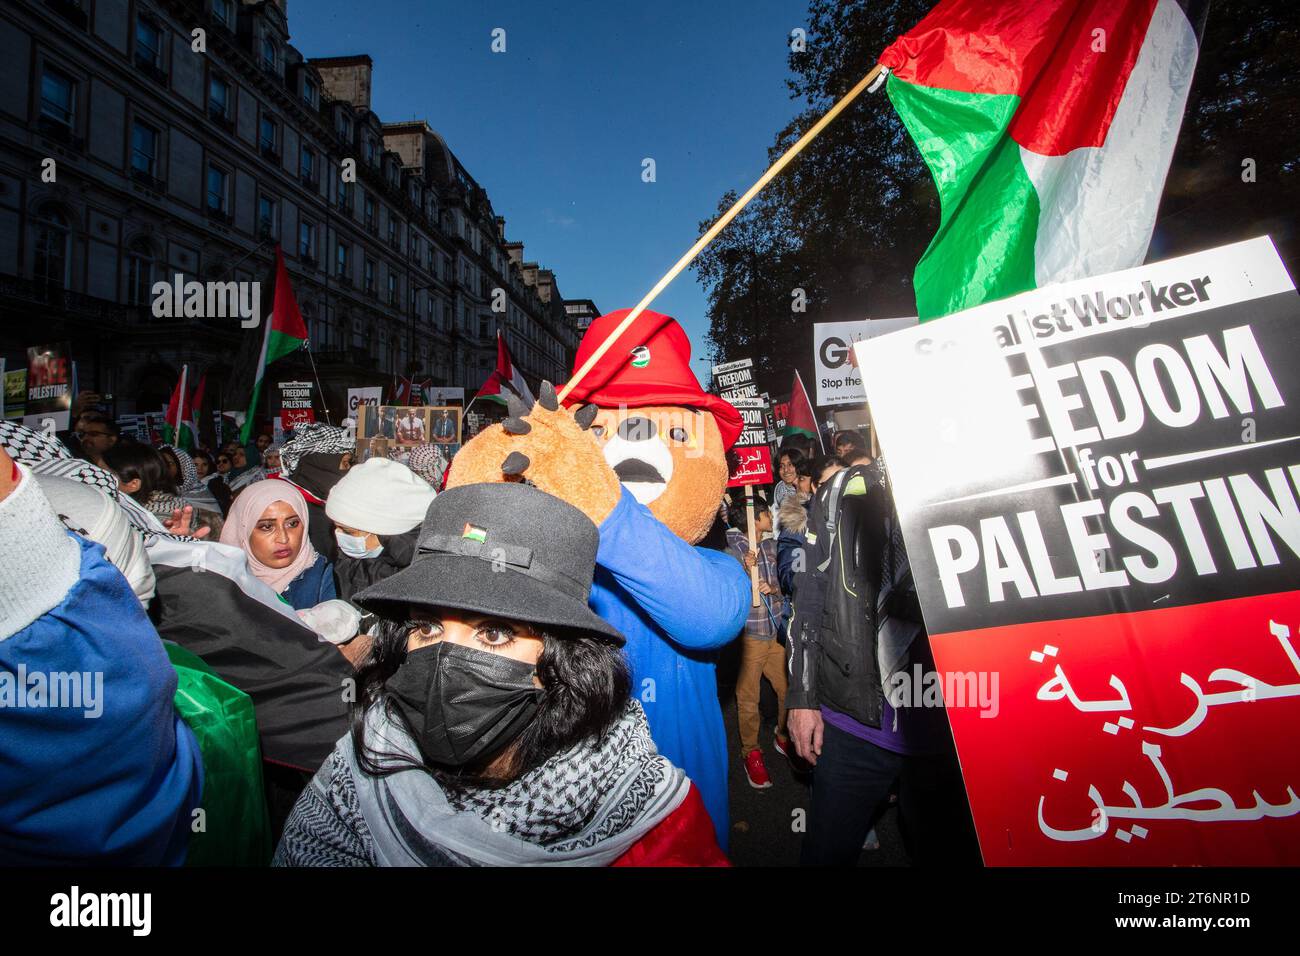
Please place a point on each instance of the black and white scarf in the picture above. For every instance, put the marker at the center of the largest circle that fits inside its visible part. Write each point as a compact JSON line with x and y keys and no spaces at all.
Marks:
{"x":313,"y":437}
{"x":587,"y":806}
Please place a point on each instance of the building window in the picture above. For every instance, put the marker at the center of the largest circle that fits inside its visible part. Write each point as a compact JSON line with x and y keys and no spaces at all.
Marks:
{"x":266,"y":221}
{"x":144,"y":148}
{"x":307,"y":165}
{"x":218,"y":98}
{"x":270,"y":134}
{"x":344,"y":193}
{"x":52,"y":240}
{"x":307,"y":240}
{"x":392,"y":289}
{"x":345,"y":127}
{"x":415,"y":248}
{"x":217,"y":178}
{"x":341,"y":261}
{"x":270,"y":54}
{"x":148,"y":43}
{"x":428,"y":310}
{"x":310,"y":92}
{"x":369,"y":276}
{"x":392,"y":232}
{"x":369,"y":207}
{"x":139,"y":272}
{"x":223,"y":11}
{"x":57,"y":97}
{"x":370,"y":150}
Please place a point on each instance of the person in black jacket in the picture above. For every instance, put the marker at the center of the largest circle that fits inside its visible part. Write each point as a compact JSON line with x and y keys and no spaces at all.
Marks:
{"x":857,"y":625}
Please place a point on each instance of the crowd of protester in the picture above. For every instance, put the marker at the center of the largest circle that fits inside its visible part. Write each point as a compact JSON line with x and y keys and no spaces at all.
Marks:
{"x":350,"y":624}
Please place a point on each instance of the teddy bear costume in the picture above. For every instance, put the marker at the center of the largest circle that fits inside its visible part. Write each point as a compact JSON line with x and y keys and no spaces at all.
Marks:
{"x":651,"y":481}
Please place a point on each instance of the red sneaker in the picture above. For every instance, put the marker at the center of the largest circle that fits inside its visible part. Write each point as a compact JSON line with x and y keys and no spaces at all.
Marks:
{"x":784,"y":747}
{"x":756,"y":770}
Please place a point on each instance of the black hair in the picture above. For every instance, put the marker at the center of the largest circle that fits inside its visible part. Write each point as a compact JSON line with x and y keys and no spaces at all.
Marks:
{"x":821,"y":463}
{"x":169,"y":455}
{"x":807,"y":468}
{"x":99,"y":418}
{"x":585,"y":689}
{"x":738,"y":516}
{"x":850,"y":436}
{"x":134,"y":460}
{"x":207,"y":457}
{"x":795,"y":455}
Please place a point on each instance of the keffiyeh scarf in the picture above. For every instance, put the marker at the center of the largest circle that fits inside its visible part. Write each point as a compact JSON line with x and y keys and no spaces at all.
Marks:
{"x":48,"y":456}
{"x":313,"y":437}
{"x":587,"y":806}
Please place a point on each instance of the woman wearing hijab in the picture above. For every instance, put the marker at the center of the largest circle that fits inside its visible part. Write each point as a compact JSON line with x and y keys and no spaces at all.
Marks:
{"x":269,"y":522}
{"x":494,"y":724}
{"x":271,"y":461}
{"x":189,"y":485}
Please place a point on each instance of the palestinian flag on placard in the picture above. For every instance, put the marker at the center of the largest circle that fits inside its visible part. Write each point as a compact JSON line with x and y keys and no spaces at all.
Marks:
{"x":505,"y":378}
{"x":800,"y":420}
{"x":177,"y":429}
{"x":285,"y":332}
{"x":1048,"y":126}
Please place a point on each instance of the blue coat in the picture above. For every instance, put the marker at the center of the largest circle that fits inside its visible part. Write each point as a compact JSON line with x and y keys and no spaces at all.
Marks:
{"x":314,"y":585}
{"x":111,"y":782}
{"x":676,"y":605}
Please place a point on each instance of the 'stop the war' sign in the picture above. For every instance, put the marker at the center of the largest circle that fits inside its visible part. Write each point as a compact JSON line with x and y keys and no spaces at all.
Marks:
{"x":1099,"y":485}
{"x":839,"y":382}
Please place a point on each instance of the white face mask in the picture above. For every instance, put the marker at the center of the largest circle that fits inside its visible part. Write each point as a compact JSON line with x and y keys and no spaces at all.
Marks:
{"x":354,"y":546}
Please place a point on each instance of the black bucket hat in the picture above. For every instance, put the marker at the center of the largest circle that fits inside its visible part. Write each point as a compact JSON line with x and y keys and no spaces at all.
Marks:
{"x":504,"y":549}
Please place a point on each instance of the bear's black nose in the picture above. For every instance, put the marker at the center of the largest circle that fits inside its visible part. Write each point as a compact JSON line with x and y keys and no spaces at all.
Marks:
{"x":636,"y":429}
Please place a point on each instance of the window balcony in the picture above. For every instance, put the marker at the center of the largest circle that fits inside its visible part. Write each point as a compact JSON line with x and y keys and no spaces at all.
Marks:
{"x":216,"y":214}
{"x":60,"y":133}
{"x":220,"y":117}
{"x":148,"y":180}
{"x":372,"y":227}
{"x":270,"y":152}
{"x":150,"y":69}
{"x":343,"y":280}
{"x":310,"y":180}
{"x":307,"y":259}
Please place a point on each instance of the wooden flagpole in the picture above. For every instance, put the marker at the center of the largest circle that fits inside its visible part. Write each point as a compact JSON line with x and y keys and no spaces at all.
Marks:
{"x":718,"y":226}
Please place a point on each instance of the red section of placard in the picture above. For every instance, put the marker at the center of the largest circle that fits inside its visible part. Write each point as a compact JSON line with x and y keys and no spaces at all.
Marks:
{"x":749,"y":466}
{"x":1077,"y":715}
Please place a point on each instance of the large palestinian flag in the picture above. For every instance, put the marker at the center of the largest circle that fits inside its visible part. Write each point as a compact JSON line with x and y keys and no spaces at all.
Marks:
{"x":285,"y":333}
{"x":1048,"y":126}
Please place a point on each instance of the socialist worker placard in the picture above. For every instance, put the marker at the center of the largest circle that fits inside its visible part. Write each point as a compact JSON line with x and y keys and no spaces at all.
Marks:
{"x":1098,"y":485}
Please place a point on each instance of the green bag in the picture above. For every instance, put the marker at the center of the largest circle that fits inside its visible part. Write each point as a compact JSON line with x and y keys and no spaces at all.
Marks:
{"x":236,"y":829}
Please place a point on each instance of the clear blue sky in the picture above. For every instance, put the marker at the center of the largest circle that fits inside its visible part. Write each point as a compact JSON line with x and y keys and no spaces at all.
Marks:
{"x":556,"y":128}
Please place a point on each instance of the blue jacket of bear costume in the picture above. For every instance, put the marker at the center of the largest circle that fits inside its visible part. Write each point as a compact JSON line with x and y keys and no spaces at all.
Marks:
{"x":676,"y":605}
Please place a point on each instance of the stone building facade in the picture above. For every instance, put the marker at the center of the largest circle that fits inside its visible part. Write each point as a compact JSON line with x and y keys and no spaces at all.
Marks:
{"x":170,"y":161}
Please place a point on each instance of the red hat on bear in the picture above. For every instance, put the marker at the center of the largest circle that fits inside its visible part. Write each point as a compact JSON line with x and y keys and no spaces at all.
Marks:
{"x":650,"y":364}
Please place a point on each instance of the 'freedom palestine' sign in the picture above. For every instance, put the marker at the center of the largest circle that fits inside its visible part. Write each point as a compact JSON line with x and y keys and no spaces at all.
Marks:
{"x":749,"y":462}
{"x":1099,"y":485}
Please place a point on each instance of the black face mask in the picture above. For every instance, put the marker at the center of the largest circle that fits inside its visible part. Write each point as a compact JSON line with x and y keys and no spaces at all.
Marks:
{"x":464,"y":705}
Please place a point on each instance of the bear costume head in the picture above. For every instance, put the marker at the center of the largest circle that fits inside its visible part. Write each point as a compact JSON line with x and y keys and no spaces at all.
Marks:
{"x":639,"y":418}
